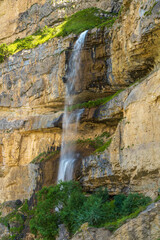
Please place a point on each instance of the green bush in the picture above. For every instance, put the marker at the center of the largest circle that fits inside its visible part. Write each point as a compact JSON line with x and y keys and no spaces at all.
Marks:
{"x":67,"y":197}
{"x":66,"y":204}
{"x":119,"y":201}
{"x":133,"y":202}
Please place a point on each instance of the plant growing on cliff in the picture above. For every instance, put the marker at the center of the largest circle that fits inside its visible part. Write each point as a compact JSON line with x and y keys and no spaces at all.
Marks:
{"x":84,"y":20}
{"x":4,"y":52}
{"x":133,"y":202}
{"x":96,"y":142}
{"x":94,"y":103}
{"x":16,"y":220}
{"x":77,"y":23}
{"x":66,"y":203}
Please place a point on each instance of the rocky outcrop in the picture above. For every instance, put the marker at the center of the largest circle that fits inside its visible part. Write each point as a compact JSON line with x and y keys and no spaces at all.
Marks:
{"x":132,"y":161}
{"x":145,"y":226}
{"x":135,"y":41}
{"x":92,"y":233}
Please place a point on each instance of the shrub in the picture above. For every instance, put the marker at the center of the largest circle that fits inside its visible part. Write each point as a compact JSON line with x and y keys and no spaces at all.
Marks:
{"x":133,"y":202}
{"x":66,"y":204}
{"x":119,"y":201}
{"x":102,"y":194}
{"x":55,"y":205}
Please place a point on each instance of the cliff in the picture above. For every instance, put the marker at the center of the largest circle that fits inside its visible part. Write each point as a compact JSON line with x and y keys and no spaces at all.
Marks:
{"x":118,"y":87}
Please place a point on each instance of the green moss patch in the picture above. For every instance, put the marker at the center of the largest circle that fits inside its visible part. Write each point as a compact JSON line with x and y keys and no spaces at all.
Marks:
{"x":84,"y":20}
{"x":77,"y":23}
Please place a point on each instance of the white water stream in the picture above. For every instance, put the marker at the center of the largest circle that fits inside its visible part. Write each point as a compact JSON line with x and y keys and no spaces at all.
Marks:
{"x":68,"y":157}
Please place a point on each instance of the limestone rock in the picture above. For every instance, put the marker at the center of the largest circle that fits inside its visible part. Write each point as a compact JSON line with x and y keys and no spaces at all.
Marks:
{"x":92,"y":233}
{"x":135,"y":41}
{"x":63,"y":233}
{"x":134,"y":152}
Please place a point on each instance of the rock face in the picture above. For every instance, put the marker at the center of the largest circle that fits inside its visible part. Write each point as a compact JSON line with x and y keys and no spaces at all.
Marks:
{"x":145,"y":226}
{"x":93,"y":233}
{"x":135,"y":41}
{"x":132,"y":161}
{"x":32,"y":95}
{"x":31,"y":103}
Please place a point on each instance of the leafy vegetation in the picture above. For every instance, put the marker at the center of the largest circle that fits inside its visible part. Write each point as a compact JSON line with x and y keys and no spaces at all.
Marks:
{"x":97,"y":142}
{"x":16,"y":220}
{"x":84,"y":20}
{"x":94,"y":103}
{"x":157,"y":199}
{"x":104,"y":146}
{"x":77,"y":23}
{"x":112,"y":226}
{"x":66,"y":203}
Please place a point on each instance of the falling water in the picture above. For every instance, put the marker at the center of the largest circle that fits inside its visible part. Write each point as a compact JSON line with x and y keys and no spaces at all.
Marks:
{"x":68,"y":155}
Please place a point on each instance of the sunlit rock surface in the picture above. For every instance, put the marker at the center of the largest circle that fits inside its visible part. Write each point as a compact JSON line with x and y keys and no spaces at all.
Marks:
{"x":132,"y":161}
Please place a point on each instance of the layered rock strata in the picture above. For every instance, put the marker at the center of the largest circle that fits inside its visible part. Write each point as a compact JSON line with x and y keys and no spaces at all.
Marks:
{"x":132,"y":161}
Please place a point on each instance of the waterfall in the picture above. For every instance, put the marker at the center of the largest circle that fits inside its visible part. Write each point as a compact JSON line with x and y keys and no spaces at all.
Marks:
{"x":70,"y":120}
